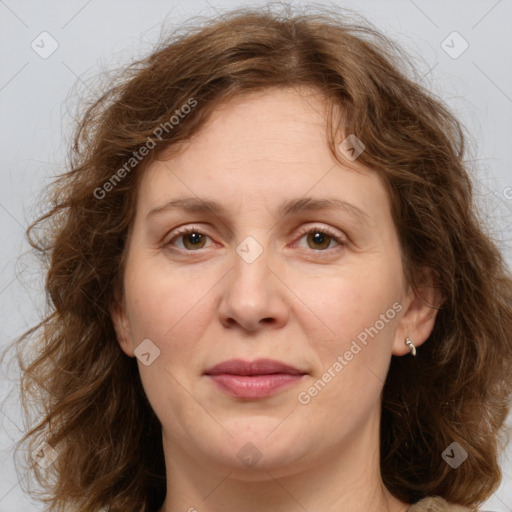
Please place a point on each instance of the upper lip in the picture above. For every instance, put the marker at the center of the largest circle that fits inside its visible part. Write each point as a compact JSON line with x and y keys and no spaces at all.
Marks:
{"x":257,"y":367}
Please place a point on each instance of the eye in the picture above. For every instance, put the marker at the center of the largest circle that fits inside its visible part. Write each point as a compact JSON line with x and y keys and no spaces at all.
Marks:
{"x":193,"y":239}
{"x":319,"y":239}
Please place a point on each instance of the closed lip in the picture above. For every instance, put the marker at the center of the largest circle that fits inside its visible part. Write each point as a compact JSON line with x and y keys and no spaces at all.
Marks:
{"x":257,"y":367}
{"x":253,"y":380}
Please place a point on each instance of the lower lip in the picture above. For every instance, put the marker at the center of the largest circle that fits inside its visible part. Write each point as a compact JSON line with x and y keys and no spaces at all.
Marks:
{"x":255,"y":386}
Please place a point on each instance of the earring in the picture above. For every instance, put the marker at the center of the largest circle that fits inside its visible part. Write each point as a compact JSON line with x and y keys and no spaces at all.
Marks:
{"x":412,"y":348}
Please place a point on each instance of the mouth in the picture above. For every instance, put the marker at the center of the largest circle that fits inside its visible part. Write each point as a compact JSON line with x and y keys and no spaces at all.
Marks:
{"x":256,"y":379}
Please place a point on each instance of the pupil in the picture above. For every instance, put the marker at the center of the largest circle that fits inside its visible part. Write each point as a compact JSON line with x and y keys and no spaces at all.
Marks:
{"x":320,"y":239}
{"x":195,"y":236}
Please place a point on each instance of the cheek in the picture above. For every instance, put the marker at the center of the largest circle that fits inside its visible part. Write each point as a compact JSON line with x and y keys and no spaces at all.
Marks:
{"x":354,"y":351}
{"x":355,"y":306}
{"x":165,"y":307}
{"x":169,"y":310}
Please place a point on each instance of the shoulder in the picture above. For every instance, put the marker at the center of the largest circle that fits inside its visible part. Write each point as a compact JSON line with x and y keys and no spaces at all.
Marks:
{"x":437,"y":504}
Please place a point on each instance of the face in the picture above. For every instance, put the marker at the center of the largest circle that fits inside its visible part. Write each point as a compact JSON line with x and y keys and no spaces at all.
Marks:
{"x":320,"y":290}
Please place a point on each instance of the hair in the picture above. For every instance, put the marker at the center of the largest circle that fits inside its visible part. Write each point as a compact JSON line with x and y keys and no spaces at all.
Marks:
{"x":86,"y":394}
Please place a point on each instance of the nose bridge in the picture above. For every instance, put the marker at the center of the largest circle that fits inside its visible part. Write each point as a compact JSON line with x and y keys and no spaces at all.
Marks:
{"x":250,"y":275}
{"x":251,"y":294}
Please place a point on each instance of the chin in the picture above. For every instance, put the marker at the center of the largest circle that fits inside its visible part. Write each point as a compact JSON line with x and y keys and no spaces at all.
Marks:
{"x":251,"y":453}
{"x":252,"y":464}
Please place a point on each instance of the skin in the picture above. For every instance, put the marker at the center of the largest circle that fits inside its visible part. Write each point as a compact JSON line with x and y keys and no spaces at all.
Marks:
{"x":301,"y":302}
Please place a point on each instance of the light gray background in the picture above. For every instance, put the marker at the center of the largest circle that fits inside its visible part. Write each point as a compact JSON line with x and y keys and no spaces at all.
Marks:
{"x":36,"y":100}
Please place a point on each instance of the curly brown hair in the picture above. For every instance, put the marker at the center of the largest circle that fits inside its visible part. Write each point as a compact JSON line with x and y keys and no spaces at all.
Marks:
{"x":85,"y":394}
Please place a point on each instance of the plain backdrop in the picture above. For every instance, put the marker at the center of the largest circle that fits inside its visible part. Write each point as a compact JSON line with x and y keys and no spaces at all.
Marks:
{"x":462,"y":49}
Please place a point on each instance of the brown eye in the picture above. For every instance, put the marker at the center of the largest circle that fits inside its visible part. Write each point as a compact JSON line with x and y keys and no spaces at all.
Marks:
{"x":319,"y":240}
{"x":192,"y":239}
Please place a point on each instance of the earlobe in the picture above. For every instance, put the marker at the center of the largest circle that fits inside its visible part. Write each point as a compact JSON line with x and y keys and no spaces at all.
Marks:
{"x":419,"y":317}
{"x":121,"y":327}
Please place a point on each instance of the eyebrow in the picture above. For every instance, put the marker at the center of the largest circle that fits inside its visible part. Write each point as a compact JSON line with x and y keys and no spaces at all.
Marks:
{"x":289,"y":207}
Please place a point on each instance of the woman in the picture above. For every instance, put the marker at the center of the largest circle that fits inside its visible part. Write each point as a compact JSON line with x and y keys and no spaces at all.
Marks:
{"x":270,"y":287}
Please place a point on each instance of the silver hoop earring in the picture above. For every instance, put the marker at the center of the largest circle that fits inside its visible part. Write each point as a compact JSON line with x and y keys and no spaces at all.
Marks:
{"x":411,"y":346}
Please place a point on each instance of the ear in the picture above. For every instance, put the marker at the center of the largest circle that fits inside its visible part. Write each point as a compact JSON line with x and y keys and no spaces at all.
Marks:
{"x":121,"y":326}
{"x":420,"y":311}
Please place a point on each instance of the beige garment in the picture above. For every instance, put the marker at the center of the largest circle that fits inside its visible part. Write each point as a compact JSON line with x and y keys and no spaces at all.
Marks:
{"x":437,"y":504}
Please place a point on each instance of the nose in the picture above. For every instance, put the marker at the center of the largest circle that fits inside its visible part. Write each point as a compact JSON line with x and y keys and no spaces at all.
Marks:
{"x":254,"y":295}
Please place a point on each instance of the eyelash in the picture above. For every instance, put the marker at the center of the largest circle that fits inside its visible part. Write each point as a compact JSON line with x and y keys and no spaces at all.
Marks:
{"x":314,"y":229}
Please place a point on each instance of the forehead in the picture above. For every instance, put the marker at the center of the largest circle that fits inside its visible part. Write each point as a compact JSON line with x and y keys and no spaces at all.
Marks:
{"x":262,"y":147}
{"x":260,"y":124}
